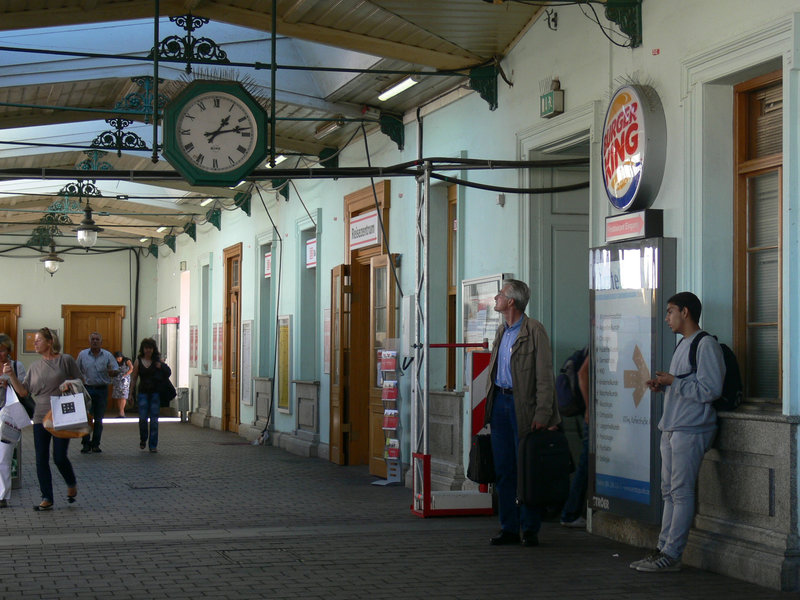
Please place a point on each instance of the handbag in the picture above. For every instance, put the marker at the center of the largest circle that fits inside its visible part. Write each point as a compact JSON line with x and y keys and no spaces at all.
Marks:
{"x":28,"y":403}
{"x":47,"y":422}
{"x":481,"y":460}
{"x":166,"y":391}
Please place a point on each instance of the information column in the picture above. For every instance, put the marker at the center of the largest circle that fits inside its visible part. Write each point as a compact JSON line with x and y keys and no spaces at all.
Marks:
{"x":630,"y":284}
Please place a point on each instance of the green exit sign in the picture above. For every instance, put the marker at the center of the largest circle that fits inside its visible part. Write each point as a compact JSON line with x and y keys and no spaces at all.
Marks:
{"x":551,"y":104}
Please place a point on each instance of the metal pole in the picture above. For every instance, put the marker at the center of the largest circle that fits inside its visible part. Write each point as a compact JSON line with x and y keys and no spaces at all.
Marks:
{"x":155,"y":83}
{"x":273,"y":71}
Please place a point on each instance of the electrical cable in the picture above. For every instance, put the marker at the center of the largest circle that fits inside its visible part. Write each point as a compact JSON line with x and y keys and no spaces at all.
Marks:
{"x":265,"y":431}
{"x":380,"y":217}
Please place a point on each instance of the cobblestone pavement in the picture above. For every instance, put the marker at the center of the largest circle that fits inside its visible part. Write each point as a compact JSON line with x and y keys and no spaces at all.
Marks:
{"x":211,"y":516}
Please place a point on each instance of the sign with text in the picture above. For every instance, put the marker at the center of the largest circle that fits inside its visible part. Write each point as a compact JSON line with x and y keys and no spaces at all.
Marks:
{"x":633,"y":147}
{"x":311,"y":253}
{"x":267,"y":265}
{"x":630,"y":282}
{"x":365,"y":230}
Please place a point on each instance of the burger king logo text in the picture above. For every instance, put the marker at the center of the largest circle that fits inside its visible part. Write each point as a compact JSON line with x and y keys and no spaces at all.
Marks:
{"x":623,"y":148}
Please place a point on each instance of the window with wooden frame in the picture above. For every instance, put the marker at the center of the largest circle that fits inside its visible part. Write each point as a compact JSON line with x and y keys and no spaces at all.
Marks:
{"x":758,"y":164}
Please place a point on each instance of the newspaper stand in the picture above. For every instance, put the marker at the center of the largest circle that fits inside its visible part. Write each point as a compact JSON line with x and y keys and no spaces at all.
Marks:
{"x":390,"y":395}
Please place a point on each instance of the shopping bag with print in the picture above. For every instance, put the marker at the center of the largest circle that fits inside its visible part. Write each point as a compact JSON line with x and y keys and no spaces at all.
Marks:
{"x":69,"y":411}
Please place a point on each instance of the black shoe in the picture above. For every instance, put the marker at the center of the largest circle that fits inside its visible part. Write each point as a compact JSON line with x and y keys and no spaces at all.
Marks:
{"x":141,"y":445}
{"x":86,"y":450}
{"x":530,"y":539}
{"x":3,"y":503}
{"x":504,"y":537}
{"x":96,"y":449}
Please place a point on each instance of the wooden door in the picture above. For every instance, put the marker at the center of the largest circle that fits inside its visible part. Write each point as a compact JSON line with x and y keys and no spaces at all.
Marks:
{"x":361,"y":365}
{"x":9,"y":313}
{"x":382,"y":318}
{"x":231,"y":338}
{"x":340,"y":362}
{"x":82,"y":320}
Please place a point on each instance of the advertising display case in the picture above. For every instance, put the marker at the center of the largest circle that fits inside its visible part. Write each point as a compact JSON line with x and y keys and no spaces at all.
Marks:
{"x":630,"y":284}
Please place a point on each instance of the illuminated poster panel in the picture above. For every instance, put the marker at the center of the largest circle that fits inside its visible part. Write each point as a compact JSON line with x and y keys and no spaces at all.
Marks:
{"x":630,"y":284}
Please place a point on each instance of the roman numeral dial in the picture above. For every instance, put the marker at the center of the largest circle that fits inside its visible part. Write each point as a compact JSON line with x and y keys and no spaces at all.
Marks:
{"x":216,"y":131}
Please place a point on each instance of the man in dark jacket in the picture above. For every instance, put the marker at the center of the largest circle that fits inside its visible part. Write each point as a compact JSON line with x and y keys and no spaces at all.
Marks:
{"x":520,"y":398}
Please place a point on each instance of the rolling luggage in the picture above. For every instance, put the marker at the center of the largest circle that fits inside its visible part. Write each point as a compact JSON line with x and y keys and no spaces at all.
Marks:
{"x":543,"y":470}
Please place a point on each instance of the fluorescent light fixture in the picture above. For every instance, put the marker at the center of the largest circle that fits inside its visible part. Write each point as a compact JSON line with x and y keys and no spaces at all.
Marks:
{"x":328,"y":128}
{"x":160,"y":229}
{"x":394,"y":89}
{"x":143,"y":240}
{"x":206,"y":202}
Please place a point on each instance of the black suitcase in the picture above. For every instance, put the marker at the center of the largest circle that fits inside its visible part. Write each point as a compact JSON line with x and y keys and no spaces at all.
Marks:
{"x":543,"y":469}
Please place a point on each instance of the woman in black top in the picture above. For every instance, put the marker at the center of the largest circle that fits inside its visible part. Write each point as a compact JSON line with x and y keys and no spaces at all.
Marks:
{"x":150,"y":372}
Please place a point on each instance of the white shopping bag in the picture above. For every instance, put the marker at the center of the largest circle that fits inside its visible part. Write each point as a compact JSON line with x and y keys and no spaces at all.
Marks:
{"x":12,"y":419}
{"x":69,"y":412}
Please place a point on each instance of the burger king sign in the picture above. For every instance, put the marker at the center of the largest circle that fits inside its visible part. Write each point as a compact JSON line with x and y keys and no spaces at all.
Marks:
{"x":634,"y":145}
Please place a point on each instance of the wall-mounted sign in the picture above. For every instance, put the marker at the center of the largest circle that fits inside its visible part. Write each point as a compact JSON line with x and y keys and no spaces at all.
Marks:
{"x":551,"y":104}
{"x":267,"y":265}
{"x":634,"y":147}
{"x":365,"y":230}
{"x":311,"y":253}
{"x":635,"y":225}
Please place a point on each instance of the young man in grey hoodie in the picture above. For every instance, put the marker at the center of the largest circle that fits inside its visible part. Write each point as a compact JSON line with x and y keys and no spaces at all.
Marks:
{"x":688,"y":425}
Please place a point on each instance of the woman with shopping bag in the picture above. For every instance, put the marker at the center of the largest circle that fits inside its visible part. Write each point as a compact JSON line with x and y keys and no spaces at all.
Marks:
{"x":7,"y":449}
{"x":46,"y":377}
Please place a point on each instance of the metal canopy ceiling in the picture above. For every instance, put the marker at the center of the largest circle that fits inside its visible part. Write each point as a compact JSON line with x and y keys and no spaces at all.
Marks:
{"x":52,"y":105}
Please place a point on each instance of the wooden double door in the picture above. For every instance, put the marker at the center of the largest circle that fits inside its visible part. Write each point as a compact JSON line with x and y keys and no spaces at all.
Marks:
{"x":363,"y":322}
{"x":81,"y":320}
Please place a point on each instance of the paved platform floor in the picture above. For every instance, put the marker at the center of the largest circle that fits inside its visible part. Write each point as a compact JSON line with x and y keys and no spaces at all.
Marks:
{"x":211,"y":516}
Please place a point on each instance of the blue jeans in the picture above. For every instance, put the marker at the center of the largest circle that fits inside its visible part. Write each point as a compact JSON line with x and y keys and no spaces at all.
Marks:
{"x":99,"y":402}
{"x":576,"y":501}
{"x":41,"y":443}
{"x":149,"y":406}
{"x":681,"y":455}
{"x":505,"y":445}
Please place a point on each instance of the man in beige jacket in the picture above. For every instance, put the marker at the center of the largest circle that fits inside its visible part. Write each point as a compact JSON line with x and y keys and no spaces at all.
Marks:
{"x":520,"y":398}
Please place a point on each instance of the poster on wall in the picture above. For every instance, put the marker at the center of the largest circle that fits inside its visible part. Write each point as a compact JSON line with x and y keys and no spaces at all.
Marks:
{"x":630,"y":284}
{"x":194,"y":338}
{"x":480,"y":319}
{"x":217,"y":346}
{"x":246,"y":368}
{"x":284,"y":358}
{"x":326,"y":340}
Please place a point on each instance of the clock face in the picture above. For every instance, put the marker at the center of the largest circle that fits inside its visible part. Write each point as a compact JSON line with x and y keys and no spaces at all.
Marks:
{"x":216,"y":131}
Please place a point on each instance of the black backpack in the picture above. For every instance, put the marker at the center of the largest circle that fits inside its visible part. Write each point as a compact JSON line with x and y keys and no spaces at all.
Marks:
{"x":568,"y":393}
{"x":732,"y":388}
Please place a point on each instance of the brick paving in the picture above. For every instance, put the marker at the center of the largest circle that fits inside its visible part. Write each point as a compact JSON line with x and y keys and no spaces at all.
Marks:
{"x":211,"y":516}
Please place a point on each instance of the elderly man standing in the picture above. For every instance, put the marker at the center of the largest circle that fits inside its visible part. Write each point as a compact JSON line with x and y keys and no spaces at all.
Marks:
{"x":97,"y":366}
{"x":519,"y":398}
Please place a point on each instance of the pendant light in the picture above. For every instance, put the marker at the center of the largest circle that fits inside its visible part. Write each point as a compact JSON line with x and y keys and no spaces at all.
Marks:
{"x":52,"y":260}
{"x":87,"y":230}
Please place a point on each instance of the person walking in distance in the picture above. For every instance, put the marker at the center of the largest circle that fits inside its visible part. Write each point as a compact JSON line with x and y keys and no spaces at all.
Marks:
{"x":520,"y":398}
{"x":150,"y":371}
{"x":97,"y":367}
{"x":687,"y":426}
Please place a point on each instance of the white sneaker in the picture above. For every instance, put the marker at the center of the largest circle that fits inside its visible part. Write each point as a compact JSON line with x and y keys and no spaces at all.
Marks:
{"x":649,"y":558}
{"x":661,"y":563}
{"x":579,"y":523}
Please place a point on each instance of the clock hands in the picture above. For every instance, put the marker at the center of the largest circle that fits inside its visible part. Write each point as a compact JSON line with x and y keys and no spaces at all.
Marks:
{"x":237,"y":129}
{"x":212,"y":134}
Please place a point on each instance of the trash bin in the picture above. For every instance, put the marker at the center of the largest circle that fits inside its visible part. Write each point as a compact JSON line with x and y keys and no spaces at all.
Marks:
{"x":183,"y":403}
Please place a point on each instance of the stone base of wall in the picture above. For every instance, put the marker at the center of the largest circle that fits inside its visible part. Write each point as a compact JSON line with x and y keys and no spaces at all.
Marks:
{"x":747,"y":506}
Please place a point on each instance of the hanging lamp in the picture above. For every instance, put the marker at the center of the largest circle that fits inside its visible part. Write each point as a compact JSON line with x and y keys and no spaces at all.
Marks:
{"x":52,"y":260}
{"x":87,"y":230}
